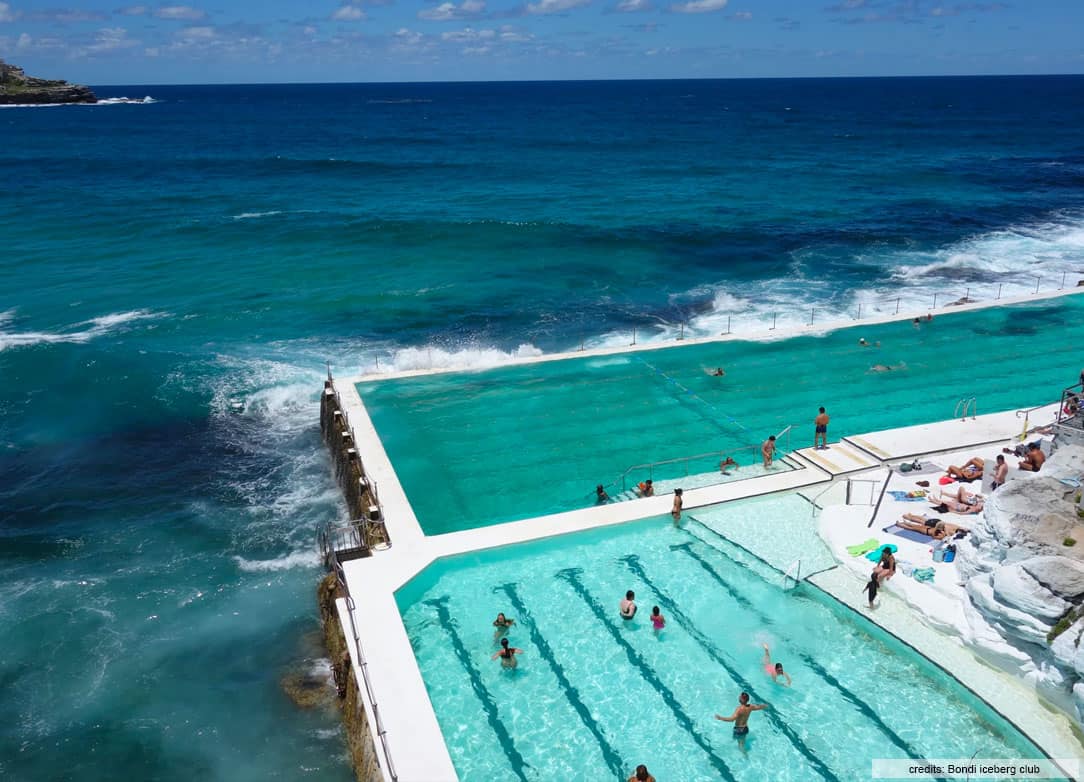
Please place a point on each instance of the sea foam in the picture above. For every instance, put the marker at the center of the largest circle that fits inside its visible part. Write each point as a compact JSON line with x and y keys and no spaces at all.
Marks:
{"x":77,"y":333}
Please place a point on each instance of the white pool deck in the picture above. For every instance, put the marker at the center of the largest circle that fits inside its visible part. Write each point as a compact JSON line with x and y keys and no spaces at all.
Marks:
{"x":416,"y":744}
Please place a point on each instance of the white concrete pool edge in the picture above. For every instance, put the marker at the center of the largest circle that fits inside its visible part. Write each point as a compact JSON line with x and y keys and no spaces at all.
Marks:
{"x":416,"y":743}
{"x":769,"y":335}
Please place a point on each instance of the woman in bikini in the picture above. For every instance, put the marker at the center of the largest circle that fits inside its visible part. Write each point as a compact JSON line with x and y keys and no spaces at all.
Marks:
{"x":507,"y":654}
{"x":935,"y":528}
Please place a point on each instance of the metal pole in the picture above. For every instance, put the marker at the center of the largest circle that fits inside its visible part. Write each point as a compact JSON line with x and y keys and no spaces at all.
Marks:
{"x":859,"y":311}
{"x":378,"y":362}
{"x":633,"y":335}
{"x":811,"y":311}
{"x":1037,"y":279}
{"x":429,"y":352}
{"x":773,"y":321}
{"x":727,"y":324}
{"x":967,"y":295}
{"x":1062,"y":281}
{"x":581,"y":343}
{"x":999,"y":291}
{"x":682,"y":334}
{"x":934,"y":301}
{"x":897,"y":305}
{"x":329,"y":377}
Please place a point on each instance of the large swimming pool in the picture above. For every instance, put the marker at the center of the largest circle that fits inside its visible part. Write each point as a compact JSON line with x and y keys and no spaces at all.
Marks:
{"x":478,"y":448}
{"x":595,"y":695}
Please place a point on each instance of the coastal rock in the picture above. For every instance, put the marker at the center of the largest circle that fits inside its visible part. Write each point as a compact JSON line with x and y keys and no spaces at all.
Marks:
{"x":1064,"y":648}
{"x":1013,"y":586}
{"x":1011,"y":622}
{"x":16,"y":88}
{"x":1061,"y":575}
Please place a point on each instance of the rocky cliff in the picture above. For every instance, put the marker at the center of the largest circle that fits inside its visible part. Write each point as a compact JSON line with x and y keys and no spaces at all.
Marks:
{"x":1023,"y":569}
{"x":17,"y":87}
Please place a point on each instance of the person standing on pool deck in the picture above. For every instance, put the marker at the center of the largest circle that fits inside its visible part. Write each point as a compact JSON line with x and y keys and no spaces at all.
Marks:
{"x":767,"y":450}
{"x":628,"y":605}
{"x":678,"y":503}
{"x":740,"y":718}
{"x":821,"y":431}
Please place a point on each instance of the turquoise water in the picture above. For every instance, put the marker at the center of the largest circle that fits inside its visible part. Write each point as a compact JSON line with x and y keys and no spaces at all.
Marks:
{"x":174,"y":276}
{"x":523,"y":441}
{"x":594,"y":695}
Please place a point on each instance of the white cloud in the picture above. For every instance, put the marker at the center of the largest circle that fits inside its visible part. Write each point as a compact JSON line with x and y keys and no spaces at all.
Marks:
{"x":742,"y":16}
{"x":150,"y":51}
{"x":469,"y":34}
{"x":133,"y":10}
{"x":6,"y":14}
{"x":348,"y":13}
{"x":24,"y":42}
{"x":554,"y":6}
{"x":509,"y":34}
{"x":183,"y":12}
{"x":201,"y":33}
{"x":107,"y":39}
{"x":627,"y":6}
{"x":699,"y":6}
{"x":407,"y":38}
{"x":447,"y":11}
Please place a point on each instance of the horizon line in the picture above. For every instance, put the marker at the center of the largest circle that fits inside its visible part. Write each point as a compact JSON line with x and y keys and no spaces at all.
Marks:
{"x":596,"y":81}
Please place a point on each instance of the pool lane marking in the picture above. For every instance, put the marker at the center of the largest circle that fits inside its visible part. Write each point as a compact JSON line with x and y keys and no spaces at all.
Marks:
{"x":611,"y":756}
{"x":480,"y":689}
{"x":863,"y":707}
{"x":633,"y":563}
{"x":571,"y":575}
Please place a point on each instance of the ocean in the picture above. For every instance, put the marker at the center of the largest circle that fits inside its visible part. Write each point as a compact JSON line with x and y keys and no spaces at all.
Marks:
{"x":177,"y":274}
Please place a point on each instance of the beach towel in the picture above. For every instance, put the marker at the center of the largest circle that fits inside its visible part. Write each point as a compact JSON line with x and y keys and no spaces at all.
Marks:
{"x":905,"y":496}
{"x":910,"y":534}
{"x":875,"y":556}
{"x":858,"y":549}
{"x":923,"y":574}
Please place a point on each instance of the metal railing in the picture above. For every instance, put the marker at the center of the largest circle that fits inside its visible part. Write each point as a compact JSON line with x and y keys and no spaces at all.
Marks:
{"x":363,"y":666}
{"x":965,"y":404}
{"x":796,"y":566}
{"x":866,"y":481}
{"x":650,"y":466}
{"x":880,"y":499}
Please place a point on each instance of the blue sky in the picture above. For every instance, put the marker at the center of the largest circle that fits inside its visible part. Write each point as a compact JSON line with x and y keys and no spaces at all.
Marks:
{"x":101,"y":42}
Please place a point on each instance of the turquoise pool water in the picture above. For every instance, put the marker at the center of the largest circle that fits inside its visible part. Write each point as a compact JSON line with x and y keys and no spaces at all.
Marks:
{"x":477,"y":448}
{"x":594,"y":695}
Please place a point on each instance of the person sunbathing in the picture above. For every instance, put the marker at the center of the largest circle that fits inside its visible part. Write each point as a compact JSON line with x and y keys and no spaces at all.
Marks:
{"x":964,"y":502}
{"x":935,"y":528}
{"x":971,"y":471}
{"x":1034,"y":459}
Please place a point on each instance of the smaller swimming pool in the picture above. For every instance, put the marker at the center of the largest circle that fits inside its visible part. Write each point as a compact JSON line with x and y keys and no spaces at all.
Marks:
{"x":595,"y":695}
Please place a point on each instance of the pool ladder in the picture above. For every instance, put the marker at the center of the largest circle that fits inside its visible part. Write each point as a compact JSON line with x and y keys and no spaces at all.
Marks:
{"x":965,"y":404}
{"x":796,"y":569}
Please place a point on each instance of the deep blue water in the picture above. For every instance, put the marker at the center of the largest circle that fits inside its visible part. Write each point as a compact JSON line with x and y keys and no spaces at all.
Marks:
{"x":174,"y":276}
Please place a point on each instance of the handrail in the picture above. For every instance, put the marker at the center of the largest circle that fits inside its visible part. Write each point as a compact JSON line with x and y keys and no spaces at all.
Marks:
{"x":797,"y":566}
{"x":877,"y":507}
{"x":363,"y":666}
{"x":859,"y":480}
{"x":650,"y":466}
{"x":813,"y":502}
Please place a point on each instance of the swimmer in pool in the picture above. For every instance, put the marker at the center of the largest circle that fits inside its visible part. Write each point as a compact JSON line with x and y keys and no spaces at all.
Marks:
{"x":502,"y":623}
{"x":679,"y":503}
{"x":627,"y":607}
{"x":507,"y":654}
{"x":725,"y":463}
{"x":740,"y":718}
{"x":658,"y":621}
{"x":775,"y":671}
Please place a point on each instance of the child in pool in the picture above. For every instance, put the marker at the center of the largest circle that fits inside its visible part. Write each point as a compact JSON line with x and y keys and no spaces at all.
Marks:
{"x":658,"y":621}
{"x":871,"y":587}
{"x":775,"y":670}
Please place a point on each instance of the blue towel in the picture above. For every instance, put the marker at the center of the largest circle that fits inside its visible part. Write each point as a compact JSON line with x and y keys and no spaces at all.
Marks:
{"x":902,"y":497}
{"x":923,"y":574}
{"x":910,"y":534}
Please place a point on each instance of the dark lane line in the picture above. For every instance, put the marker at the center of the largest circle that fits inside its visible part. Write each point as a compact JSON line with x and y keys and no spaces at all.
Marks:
{"x":488,"y":702}
{"x":633,"y":563}
{"x":613,"y":759}
{"x":866,"y":710}
{"x":571,"y":575}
